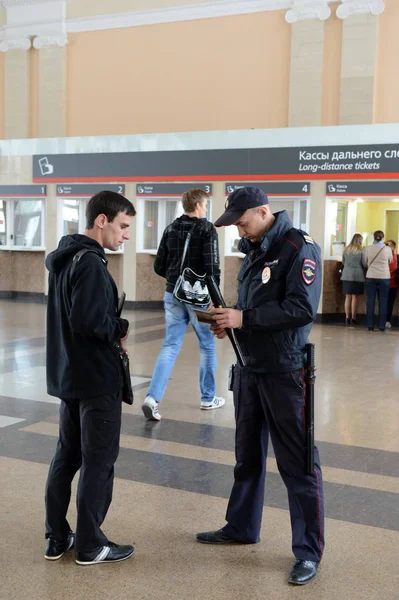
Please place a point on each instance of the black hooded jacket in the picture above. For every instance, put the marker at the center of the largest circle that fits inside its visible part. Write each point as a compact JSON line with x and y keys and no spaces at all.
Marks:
{"x":82,"y":322}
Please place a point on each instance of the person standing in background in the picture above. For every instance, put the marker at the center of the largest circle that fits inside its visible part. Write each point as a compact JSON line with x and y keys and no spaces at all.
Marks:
{"x":352,"y":278}
{"x":376,"y":259}
{"x":202,"y":257}
{"x":393,"y":269}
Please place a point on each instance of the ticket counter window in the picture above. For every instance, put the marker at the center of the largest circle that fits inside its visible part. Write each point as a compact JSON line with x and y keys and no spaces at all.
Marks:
{"x":151,"y":225}
{"x":71,"y":217}
{"x":338,"y":227}
{"x":21,"y":224}
{"x":28,"y":217}
{"x":154,"y":215}
{"x":3,"y":223}
{"x":297,"y":210}
{"x":158,"y":214}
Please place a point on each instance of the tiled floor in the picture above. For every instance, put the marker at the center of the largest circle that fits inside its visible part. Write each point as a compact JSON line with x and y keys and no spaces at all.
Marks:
{"x":173,"y":477}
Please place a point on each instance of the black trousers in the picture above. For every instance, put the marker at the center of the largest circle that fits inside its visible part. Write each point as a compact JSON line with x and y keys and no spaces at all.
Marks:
{"x":89,"y":441}
{"x":391,"y":302}
{"x":274,"y":404}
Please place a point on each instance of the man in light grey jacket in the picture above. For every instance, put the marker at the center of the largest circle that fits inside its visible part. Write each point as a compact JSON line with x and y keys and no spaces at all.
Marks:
{"x":376,"y":259}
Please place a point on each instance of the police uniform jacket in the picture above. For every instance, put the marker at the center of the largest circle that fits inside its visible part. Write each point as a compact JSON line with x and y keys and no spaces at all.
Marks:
{"x":279,"y":287}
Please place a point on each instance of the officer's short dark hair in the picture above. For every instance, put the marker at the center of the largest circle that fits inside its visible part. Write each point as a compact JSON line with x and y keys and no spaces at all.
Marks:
{"x":109,"y":204}
{"x":191,"y":197}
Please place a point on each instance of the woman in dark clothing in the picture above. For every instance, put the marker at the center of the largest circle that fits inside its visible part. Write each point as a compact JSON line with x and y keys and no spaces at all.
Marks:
{"x":393,"y":269}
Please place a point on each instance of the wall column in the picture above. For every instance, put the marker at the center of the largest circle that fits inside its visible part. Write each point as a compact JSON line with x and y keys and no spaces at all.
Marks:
{"x":318,"y":219}
{"x":359,"y":59}
{"x":307,"y":57}
{"x":129,"y":251}
{"x":306,"y":76}
{"x":51,"y":235}
{"x":52,"y":120}
{"x":16,"y":94}
{"x":218,"y":201}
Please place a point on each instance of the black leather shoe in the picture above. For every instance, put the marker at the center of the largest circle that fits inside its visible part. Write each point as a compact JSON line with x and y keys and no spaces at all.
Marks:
{"x":303,"y":571}
{"x":216,"y":537}
{"x":110,"y":553}
{"x":55,"y":548}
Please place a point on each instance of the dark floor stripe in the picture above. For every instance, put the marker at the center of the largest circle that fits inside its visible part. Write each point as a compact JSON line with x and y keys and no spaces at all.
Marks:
{"x":340,"y":456}
{"x":147,"y":323}
{"x":346,"y":503}
{"x":23,"y":344}
{"x":11,"y":365}
{"x":146,"y":336}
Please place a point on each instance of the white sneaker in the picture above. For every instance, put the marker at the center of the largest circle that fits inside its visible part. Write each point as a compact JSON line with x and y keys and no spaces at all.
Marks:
{"x":217,"y":402}
{"x":388,"y":325}
{"x":150,"y":409}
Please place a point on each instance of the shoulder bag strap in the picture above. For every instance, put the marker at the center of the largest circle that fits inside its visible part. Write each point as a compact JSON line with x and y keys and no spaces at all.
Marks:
{"x":378,"y":253}
{"x":186,"y":248}
{"x":77,"y":258}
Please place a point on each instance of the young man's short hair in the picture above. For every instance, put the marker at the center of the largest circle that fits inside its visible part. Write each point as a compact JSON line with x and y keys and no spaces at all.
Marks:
{"x":108,"y":204}
{"x":191,"y":197}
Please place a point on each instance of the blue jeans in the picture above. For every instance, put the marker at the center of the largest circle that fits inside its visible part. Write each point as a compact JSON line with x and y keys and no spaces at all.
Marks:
{"x":376,"y":287}
{"x":177,"y":316}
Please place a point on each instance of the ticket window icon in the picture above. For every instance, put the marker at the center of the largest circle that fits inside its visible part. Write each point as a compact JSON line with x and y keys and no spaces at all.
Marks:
{"x":45,"y":167}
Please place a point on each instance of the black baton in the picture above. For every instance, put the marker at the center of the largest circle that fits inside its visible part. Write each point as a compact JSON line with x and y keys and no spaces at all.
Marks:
{"x":309,"y":408}
{"x":219,"y":302}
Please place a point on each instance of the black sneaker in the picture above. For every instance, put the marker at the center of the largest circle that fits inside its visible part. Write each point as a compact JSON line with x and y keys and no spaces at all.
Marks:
{"x":55,"y":548}
{"x":110,"y":553}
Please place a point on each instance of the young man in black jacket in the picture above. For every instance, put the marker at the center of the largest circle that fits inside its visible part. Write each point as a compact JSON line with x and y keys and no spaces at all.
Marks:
{"x":202,"y":257}
{"x":84,"y":371}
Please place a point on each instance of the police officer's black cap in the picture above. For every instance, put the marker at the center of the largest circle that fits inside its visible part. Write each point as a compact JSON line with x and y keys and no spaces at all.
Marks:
{"x":240,"y":201}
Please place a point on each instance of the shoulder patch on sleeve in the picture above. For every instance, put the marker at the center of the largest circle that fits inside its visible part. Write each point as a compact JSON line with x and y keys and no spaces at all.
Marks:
{"x":308,"y":271}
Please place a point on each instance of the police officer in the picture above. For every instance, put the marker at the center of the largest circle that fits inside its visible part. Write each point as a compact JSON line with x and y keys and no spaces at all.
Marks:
{"x":279,"y":288}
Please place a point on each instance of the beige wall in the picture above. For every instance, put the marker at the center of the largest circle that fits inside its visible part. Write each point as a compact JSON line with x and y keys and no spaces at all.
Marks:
{"x":211,"y":74}
{"x":232,"y":265}
{"x":237,"y":72}
{"x":22,"y":272}
{"x":115,"y":267}
{"x":149,"y":286}
{"x":1,"y":95}
{"x":15,"y":170}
